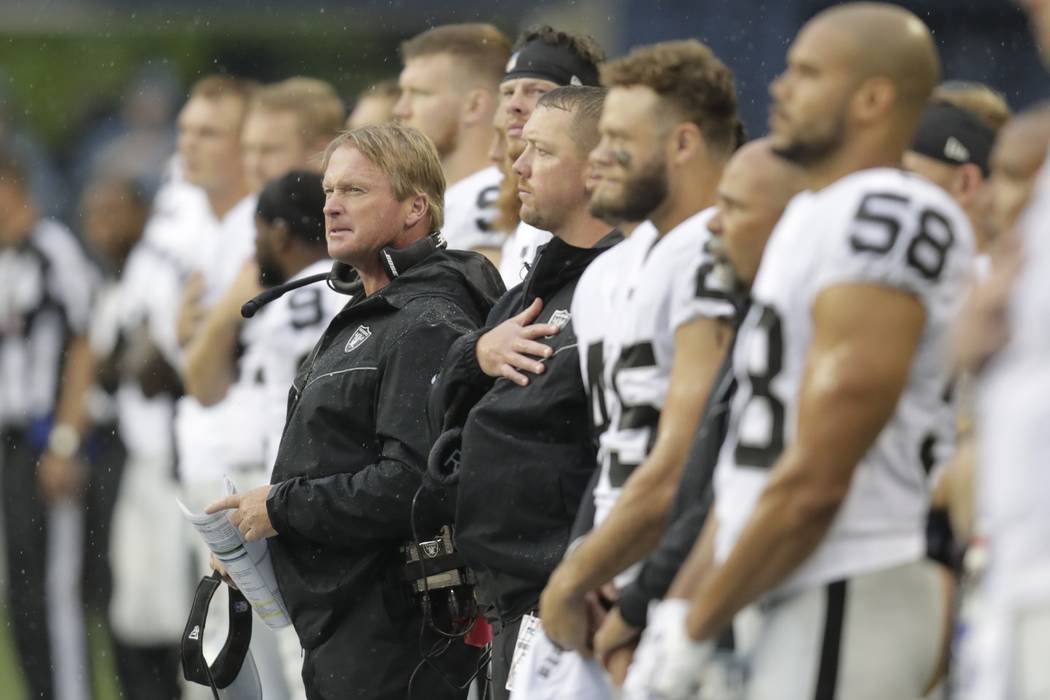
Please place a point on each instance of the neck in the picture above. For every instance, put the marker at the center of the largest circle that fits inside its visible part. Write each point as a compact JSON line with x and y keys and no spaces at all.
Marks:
{"x":470,"y":156}
{"x":222,"y":201}
{"x":581,"y":230}
{"x":846,"y":161}
{"x":373,"y":277}
{"x":693,"y":192}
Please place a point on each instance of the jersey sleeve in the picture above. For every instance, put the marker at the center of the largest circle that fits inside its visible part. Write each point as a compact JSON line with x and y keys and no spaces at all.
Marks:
{"x":702,"y":291}
{"x":898,"y":232}
{"x":73,"y":278}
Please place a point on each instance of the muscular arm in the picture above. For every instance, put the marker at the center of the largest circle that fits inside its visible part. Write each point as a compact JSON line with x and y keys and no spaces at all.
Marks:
{"x":636,"y":522}
{"x":864,"y":339}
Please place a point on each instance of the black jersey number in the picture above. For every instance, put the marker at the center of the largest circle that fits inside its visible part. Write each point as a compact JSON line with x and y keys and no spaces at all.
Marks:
{"x":641,"y":416}
{"x":878,"y":225}
{"x":305,"y":305}
{"x":762,"y":453}
{"x":487,"y":199}
{"x":704,"y":289}
{"x":596,"y":387}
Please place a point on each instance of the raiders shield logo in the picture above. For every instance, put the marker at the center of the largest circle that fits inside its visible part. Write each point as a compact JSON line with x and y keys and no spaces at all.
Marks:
{"x":430,"y":549}
{"x":362,"y":334}
{"x":559,"y":318}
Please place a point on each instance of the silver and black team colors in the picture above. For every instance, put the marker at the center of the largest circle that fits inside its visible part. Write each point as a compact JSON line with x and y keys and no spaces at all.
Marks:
{"x":350,"y":460}
{"x":526,"y":453}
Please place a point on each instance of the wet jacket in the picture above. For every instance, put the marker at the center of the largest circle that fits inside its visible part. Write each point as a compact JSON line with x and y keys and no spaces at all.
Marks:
{"x":350,"y":461}
{"x":526,"y":453}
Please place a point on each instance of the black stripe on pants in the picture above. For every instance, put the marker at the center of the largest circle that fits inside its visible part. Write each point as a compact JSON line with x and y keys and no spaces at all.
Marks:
{"x":831,"y":646}
{"x":25,"y":535}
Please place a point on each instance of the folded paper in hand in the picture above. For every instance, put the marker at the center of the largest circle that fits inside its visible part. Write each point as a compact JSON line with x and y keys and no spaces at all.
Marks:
{"x":247,"y":563}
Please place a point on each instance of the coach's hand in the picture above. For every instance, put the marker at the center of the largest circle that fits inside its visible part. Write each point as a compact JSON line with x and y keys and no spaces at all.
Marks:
{"x":512,"y":346}
{"x":249,"y":513}
{"x":218,"y":568}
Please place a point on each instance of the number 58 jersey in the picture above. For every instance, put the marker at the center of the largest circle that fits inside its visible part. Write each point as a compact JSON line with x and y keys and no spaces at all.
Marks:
{"x":882,"y":227}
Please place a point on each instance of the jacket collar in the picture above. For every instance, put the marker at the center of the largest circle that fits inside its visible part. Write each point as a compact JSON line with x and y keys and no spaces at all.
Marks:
{"x":558,"y":263}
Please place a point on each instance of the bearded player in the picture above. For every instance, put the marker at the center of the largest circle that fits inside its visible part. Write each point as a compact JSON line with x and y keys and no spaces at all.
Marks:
{"x":821,"y":487}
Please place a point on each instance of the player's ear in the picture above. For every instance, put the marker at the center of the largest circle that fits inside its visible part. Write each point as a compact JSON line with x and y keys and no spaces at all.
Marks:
{"x":478,"y":107}
{"x":280,"y":236}
{"x":967,"y":183}
{"x":686,"y":142}
{"x":873,"y":98}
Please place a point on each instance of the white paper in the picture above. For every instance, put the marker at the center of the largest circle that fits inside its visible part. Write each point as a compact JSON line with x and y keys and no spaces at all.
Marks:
{"x":247,"y":563}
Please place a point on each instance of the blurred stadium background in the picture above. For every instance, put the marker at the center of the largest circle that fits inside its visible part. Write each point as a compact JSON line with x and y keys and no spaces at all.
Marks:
{"x":82,"y":80}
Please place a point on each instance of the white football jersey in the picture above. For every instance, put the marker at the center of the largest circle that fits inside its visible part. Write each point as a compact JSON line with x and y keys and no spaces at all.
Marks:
{"x":470,"y":212}
{"x":519,"y":251}
{"x":880,"y":226}
{"x":627,"y":307}
{"x":288,"y":329}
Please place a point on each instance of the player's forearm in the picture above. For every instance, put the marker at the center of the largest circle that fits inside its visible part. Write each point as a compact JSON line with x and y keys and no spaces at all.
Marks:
{"x":631,"y":531}
{"x":790,"y":519}
{"x":210,"y":360}
{"x":77,"y":376}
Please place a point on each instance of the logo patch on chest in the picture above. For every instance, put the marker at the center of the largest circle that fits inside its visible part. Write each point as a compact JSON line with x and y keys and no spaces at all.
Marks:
{"x":362,"y":334}
{"x":560,"y":318}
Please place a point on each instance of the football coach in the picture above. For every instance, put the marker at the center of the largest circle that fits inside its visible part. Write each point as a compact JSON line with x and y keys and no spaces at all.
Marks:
{"x":353,"y":451}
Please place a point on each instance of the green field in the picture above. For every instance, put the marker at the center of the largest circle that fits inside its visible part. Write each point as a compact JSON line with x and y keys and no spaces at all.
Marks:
{"x":104,"y":676}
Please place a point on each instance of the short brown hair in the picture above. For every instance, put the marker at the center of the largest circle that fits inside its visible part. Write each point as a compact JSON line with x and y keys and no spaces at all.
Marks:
{"x":314,"y":102}
{"x":585,"y":105}
{"x":482,"y":47}
{"x":407,"y":157}
{"x":687,"y":75}
{"x":980,"y":100}
{"x":583,"y":45}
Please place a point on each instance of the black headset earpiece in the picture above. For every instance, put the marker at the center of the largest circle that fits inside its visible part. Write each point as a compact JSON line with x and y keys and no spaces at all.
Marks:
{"x":396,"y":261}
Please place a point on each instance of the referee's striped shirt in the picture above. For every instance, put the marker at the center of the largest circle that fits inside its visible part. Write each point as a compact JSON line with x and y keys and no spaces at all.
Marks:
{"x":47,"y":285}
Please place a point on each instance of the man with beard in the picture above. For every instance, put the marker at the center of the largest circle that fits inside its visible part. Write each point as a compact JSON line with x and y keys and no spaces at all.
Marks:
{"x":752,"y":194}
{"x":510,"y":403}
{"x":821,"y":485}
{"x":652,"y":319}
{"x":289,"y":246}
{"x":543,"y":59}
{"x":449,"y":91}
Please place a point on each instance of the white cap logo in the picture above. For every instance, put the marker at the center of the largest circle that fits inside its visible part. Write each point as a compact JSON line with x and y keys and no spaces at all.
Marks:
{"x":955,"y":150}
{"x":575,"y":81}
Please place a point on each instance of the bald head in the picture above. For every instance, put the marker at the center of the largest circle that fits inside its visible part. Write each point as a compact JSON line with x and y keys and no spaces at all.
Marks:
{"x":755,"y":188}
{"x":886,"y":41}
{"x":1017,"y":156}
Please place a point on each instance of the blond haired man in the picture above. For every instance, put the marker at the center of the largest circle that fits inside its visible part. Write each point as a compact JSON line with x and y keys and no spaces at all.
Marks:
{"x":450,"y":91}
{"x":354,"y":448}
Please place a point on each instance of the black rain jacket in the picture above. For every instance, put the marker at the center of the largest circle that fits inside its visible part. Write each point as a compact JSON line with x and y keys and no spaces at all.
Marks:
{"x":526,"y":453}
{"x":350,"y":461}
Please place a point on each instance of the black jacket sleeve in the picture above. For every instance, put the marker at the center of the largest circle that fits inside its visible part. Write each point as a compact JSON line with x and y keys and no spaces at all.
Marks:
{"x":374,"y":503}
{"x":460,"y":383}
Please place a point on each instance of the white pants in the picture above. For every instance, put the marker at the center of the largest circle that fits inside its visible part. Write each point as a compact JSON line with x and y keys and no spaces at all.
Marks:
{"x":875,"y":636}
{"x":548,"y":673}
